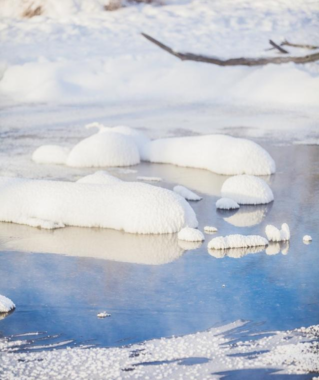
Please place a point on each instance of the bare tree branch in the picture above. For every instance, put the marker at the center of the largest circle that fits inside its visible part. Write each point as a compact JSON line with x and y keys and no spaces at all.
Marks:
{"x":303,"y":46}
{"x":282,"y":50}
{"x":232,"y":61}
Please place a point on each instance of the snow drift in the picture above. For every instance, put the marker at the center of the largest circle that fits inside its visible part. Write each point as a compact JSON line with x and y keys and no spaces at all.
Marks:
{"x":132,"y":207}
{"x":237,"y":241}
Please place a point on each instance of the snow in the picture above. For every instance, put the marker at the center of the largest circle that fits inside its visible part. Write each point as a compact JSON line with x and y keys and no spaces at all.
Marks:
{"x":103,"y":314}
{"x":274,"y":234}
{"x":190,"y":234}
{"x":186,"y":193}
{"x":51,"y":154}
{"x":100,"y":178}
{"x":307,"y":239}
{"x":132,"y":207}
{"x":6,"y":304}
{"x":237,"y":241}
{"x":220,"y":154}
{"x":227,"y":204}
{"x":247,"y":190}
{"x":210,"y":229}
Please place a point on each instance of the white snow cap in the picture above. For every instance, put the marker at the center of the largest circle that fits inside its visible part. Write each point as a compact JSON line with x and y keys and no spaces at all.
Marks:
{"x":51,"y":154}
{"x":274,"y":234}
{"x":307,"y":239}
{"x":226,"y":204}
{"x":186,"y":193}
{"x":129,"y":206}
{"x":190,"y":234}
{"x":218,"y":153}
{"x":237,"y":241}
{"x":6,"y":304}
{"x":247,"y":190}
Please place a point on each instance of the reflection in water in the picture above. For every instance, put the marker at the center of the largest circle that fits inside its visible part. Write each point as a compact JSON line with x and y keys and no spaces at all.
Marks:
{"x":275,"y":248}
{"x":235,"y":253}
{"x":189,"y":245}
{"x":92,"y":242}
{"x":247,"y":216}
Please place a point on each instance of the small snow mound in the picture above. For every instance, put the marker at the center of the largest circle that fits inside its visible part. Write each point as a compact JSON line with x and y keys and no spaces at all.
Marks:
{"x":237,"y":241}
{"x":103,"y":314}
{"x":51,"y":154}
{"x":226,"y":204}
{"x":247,"y":190}
{"x":6,"y":304}
{"x":210,"y":229}
{"x":100,"y":178}
{"x":190,"y":234}
{"x":274,"y":234}
{"x":186,"y":193}
{"x":307,"y":239}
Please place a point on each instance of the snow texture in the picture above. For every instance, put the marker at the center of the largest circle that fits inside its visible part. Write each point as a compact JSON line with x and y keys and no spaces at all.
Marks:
{"x":132,"y":207}
{"x":247,"y":190}
{"x":190,"y":234}
{"x":6,"y":304}
{"x":226,"y":204}
{"x":51,"y":154}
{"x":210,"y":229}
{"x":237,"y":241}
{"x":220,"y":154}
{"x":274,"y":234}
{"x":186,"y":193}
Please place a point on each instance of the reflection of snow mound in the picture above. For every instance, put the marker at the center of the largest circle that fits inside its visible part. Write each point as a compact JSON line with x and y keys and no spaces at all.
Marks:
{"x":226,"y":204}
{"x":190,"y":234}
{"x":237,"y":241}
{"x":92,"y":242}
{"x":51,"y":154}
{"x":248,"y":216}
{"x":247,"y":190}
{"x":307,"y":239}
{"x":235,"y":253}
{"x":274,"y":234}
{"x":186,"y":193}
{"x":132,"y":207}
{"x":189,"y":245}
{"x":6,"y":304}
{"x":275,"y":248}
{"x":210,"y":229}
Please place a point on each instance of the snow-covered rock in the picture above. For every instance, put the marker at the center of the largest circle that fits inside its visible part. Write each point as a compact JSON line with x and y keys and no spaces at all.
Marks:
{"x":210,"y":229}
{"x":186,"y":193}
{"x":218,"y":153}
{"x":237,"y":241}
{"x":6,"y":304}
{"x":307,"y":239}
{"x":226,"y":204}
{"x":274,"y":234}
{"x":247,"y":190}
{"x":190,"y":234}
{"x":132,"y":207}
{"x":51,"y":154}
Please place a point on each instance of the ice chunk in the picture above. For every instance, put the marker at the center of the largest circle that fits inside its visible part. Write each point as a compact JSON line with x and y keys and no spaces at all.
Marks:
{"x":51,"y":154}
{"x":226,"y":204}
{"x":6,"y":304}
{"x":218,"y":153}
{"x":237,"y":241}
{"x":129,"y":206}
{"x":307,"y":239}
{"x":190,"y":234}
{"x":274,"y":234}
{"x":186,"y":193}
{"x":210,"y":229}
{"x":247,"y":190}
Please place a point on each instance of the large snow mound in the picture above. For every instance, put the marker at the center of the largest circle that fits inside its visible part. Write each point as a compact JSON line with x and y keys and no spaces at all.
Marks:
{"x":132,"y":207}
{"x":237,"y":241}
{"x":190,"y":234}
{"x":247,"y":190}
{"x":51,"y":154}
{"x":6,"y":304}
{"x":274,"y":234}
{"x":220,"y":154}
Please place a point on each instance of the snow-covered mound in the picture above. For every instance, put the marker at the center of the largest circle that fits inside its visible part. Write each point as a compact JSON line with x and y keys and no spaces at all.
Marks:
{"x":307,"y":239}
{"x":100,"y":178}
{"x":132,"y":207}
{"x":6,"y":304}
{"x":227,"y":204}
{"x":220,"y":154}
{"x":51,"y":154}
{"x":274,"y":234}
{"x":210,"y":229}
{"x":237,"y":241}
{"x":190,"y":234}
{"x":247,"y":190}
{"x":186,"y":193}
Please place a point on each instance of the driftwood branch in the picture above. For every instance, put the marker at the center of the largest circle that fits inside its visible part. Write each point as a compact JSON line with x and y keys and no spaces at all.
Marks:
{"x":282,"y":50}
{"x":233,"y":61}
{"x":303,"y":46}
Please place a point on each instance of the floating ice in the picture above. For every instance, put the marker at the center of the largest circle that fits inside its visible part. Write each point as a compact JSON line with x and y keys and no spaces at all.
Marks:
{"x":218,"y":153}
{"x":51,"y":154}
{"x":227,"y":204}
{"x":190,"y":234}
{"x":247,"y":190}
{"x":210,"y":229}
{"x":132,"y":207}
{"x":274,"y":234}
{"x":237,"y":241}
{"x":307,"y":239}
{"x":186,"y":193}
{"x":6,"y":304}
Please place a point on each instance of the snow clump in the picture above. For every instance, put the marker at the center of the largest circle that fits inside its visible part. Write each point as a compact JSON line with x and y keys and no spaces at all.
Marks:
{"x":190,"y":234}
{"x":237,"y":241}
{"x":274,"y":234}
{"x":226,"y":204}
{"x":186,"y":193}
{"x":51,"y":154}
{"x":6,"y":304}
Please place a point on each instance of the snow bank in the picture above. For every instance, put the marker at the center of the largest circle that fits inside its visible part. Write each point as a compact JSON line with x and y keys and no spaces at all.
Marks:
{"x":186,"y":193}
{"x":6,"y":304}
{"x":274,"y":234}
{"x":190,"y":234}
{"x":220,"y":154}
{"x":132,"y":207}
{"x":247,"y":189}
{"x":51,"y":154}
{"x":237,"y":241}
{"x":227,"y":204}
